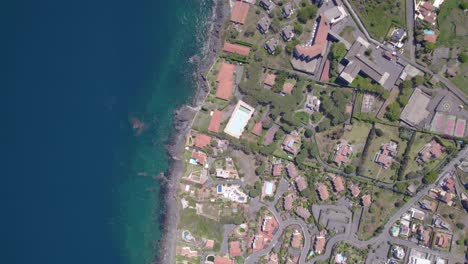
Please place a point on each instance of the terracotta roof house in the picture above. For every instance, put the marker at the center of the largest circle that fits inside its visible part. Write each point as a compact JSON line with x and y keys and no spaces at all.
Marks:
{"x":199,"y":157}
{"x":187,"y":252}
{"x":442,"y":240}
{"x":225,"y":81}
{"x":342,"y":153}
{"x":270,"y":79}
{"x":257,"y":129}
{"x":287,"y":33}
{"x":291,"y":143}
{"x":319,"y":242}
{"x":268,"y":226}
{"x":432,"y":38}
{"x":277,"y":169}
{"x":425,"y":11}
{"x":268,"y":5}
{"x":287,"y":10}
{"x":338,"y":184}
{"x":325,"y":76}
{"x":270,"y":135}
{"x":236,"y":49}
{"x":366,"y":200}
{"x":304,"y":55}
{"x":431,"y":150}
{"x":258,"y":243}
{"x":223,"y":260}
{"x":387,"y":152}
{"x":355,"y":191}
{"x":296,"y":239}
{"x":201,"y":140}
{"x":303,"y":212}
{"x":292,"y":170}
{"x":209,"y":244}
{"x":322,"y":191}
{"x":239,"y":12}
{"x":235,"y":249}
{"x":428,"y":205}
{"x":288,"y":202}
{"x":271,"y":45}
{"x":264,"y":24}
{"x":301,"y":183}
{"x":215,"y":121}
{"x":287,"y":88}
{"x":449,"y":184}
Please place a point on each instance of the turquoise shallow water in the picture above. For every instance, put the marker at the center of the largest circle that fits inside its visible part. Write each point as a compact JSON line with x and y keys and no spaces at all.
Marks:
{"x":73,"y":75}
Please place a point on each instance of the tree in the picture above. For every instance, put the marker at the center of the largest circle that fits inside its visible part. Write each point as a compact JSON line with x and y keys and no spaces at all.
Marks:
{"x":430,"y":177}
{"x":324,"y":125}
{"x":460,"y":225}
{"x":337,"y":51}
{"x":349,"y":169}
{"x":291,"y":45}
{"x":463,"y":5}
{"x":379,"y":132}
{"x":298,"y":28}
{"x":278,"y":50}
{"x":418,"y":80}
{"x":429,"y":47}
{"x":393,"y":112}
{"x":463,"y":57}
{"x":307,"y":12}
{"x":309,"y":133}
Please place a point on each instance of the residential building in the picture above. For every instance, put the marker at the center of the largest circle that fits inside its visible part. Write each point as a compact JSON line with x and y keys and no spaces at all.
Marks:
{"x":292,"y":170}
{"x":287,"y":33}
{"x":287,"y":88}
{"x":287,"y":10}
{"x":264,"y":24}
{"x":425,"y":11}
{"x":257,"y":129}
{"x":291,"y":143}
{"x":301,"y":183}
{"x":270,"y":79}
{"x":271,"y":45}
{"x":188,"y":253}
{"x":322,"y":191}
{"x":342,"y":153}
{"x":268,"y":5}
{"x":431,"y":150}
{"x":335,"y":14}
{"x":387,"y":152}
{"x":288,"y":202}
{"x":198,"y":158}
{"x":239,"y":12}
{"x":442,"y":240}
{"x":338,"y":184}
{"x":319,"y":242}
{"x":201,"y":140}
{"x":277,"y":169}
{"x":296,"y":239}
{"x":303,"y":213}
{"x":235,"y":249}
{"x":355,"y":191}
{"x":223,"y":260}
{"x":366,"y":200}
{"x":397,"y":37}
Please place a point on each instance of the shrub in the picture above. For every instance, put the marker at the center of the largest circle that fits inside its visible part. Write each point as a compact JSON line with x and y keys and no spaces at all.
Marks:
{"x":379,"y":132}
{"x":460,"y":225}
{"x":349,"y":169}
{"x":430,"y":177}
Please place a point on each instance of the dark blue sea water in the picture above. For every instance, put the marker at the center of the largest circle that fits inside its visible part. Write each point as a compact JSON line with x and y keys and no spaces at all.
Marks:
{"x":73,"y":73}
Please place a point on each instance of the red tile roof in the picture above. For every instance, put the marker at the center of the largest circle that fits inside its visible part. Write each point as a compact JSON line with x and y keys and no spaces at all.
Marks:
{"x":201,"y":140}
{"x":442,"y":240}
{"x":322,"y":191}
{"x":237,"y":49}
{"x":187,"y":252}
{"x":215,"y":121}
{"x":270,"y":79}
{"x":287,"y":88}
{"x":432,"y":38}
{"x":292,"y":170}
{"x":277,"y":168}
{"x":209,"y":244}
{"x":366,"y":200}
{"x":296,"y":239}
{"x":325,"y":76}
{"x":199,"y":156}
{"x":303,"y":212}
{"x":355,"y":191}
{"x":223,"y":260}
{"x":320,"y":40}
{"x":235,"y":249}
{"x":301,"y":183}
{"x":257,"y":129}
{"x":225,"y":81}
{"x":449,"y":184}
{"x":319,"y":244}
{"x":239,"y":12}
{"x":288,"y":202}
{"x":338,"y":184}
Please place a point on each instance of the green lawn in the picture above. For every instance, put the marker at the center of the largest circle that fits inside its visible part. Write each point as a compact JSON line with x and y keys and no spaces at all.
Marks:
{"x":199,"y":226}
{"x":373,"y":170}
{"x":352,"y":254}
{"x":379,"y":15}
{"x":383,"y":206}
{"x":419,"y":141}
{"x":303,"y":117}
{"x":358,"y":134}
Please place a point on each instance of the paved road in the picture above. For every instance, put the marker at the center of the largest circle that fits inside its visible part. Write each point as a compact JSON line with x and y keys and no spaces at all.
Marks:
{"x":411,"y":44}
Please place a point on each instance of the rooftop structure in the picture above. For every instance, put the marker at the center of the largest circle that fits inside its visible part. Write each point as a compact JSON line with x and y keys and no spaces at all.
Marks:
{"x":268,"y":5}
{"x":301,"y":183}
{"x":287,"y":33}
{"x":386,"y":154}
{"x":257,"y":129}
{"x":415,"y":112}
{"x":270,"y":79}
{"x":335,"y":14}
{"x":277,"y":169}
{"x":319,"y":242}
{"x":322,"y":191}
{"x":449,"y":184}
{"x":239,"y":119}
{"x":235,"y":249}
{"x":430,"y":37}
{"x":264,"y":24}
{"x":296,"y":239}
{"x":428,"y":205}
{"x":271,"y":45}
{"x":303,"y":212}
{"x":304,"y":55}
{"x":325,"y":76}
{"x":442,"y":240}
{"x":417,"y":214}
{"x":397,"y":37}
{"x":223,"y":260}
{"x":342,"y":153}
{"x":269,"y":225}
{"x":431,"y":150}
{"x":232,"y":193}
{"x":366,"y":200}
{"x":270,"y":135}
{"x":209,"y":244}
{"x":312,"y":103}
{"x":338,"y":184}
{"x":358,"y":63}
{"x":291,"y":143}
{"x":355,"y":191}
{"x":201,"y":140}
{"x":288,"y":202}
{"x":198,"y":157}
{"x":225,"y":81}
{"x":426,"y":11}
{"x":237,"y":49}
{"x":188,"y":253}
{"x":215,"y":121}
{"x":292,"y":170}
{"x":288,"y":87}
{"x":239,"y":12}
{"x":287,"y":10}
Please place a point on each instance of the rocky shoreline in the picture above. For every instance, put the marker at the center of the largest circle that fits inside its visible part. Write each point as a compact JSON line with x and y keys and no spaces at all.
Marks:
{"x":182,"y":121}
